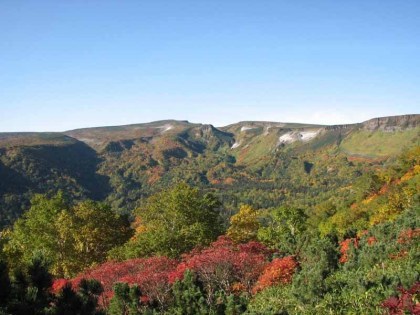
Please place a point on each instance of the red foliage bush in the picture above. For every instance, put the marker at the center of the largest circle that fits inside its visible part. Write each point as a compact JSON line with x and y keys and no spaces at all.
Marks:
{"x":345,"y":246}
{"x":221,"y":266}
{"x":408,"y":235}
{"x":405,"y":303}
{"x":280,"y":270}
{"x":151,"y":274}
{"x":399,"y":255}
{"x":371,"y":240}
{"x":58,"y":285}
{"x":225,"y":266}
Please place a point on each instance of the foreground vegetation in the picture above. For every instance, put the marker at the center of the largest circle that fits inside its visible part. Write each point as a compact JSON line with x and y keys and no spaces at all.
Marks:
{"x":183,"y":253}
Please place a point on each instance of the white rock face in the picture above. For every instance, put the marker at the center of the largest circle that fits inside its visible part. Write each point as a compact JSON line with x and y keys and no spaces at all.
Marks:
{"x":165,"y":128}
{"x":235,"y":145}
{"x":303,"y":136}
{"x":287,"y":138}
{"x":308,"y":135}
{"x":245,"y":128}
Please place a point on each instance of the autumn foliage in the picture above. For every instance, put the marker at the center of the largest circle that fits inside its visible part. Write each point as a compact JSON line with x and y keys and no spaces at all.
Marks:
{"x":345,"y":246}
{"x":279,"y":271}
{"x":59,"y":284}
{"x":151,"y":274}
{"x":244,"y":225}
{"x":407,"y":302}
{"x":225,"y":266}
{"x":408,"y":236}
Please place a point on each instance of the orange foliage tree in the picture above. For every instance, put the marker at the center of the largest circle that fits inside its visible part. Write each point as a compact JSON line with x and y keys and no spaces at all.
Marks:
{"x":279,"y":271}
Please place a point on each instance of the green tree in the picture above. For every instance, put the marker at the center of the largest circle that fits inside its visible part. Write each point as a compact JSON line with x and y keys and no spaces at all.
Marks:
{"x":5,"y":285}
{"x":244,"y":225}
{"x":30,"y":289}
{"x":369,"y":183}
{"x":235,"y":305}
{"x":29,"y":292}
{"x":189,"y":298}
{"x":70,"y":238}
{"x":94,"y":229}
{"x":275,"y":300}
{"x":319,"y":260}
{"x":285,"y":226}
{"x":126,"y":300}
{"x":36,"y":231}
{"x":82,"y":302}
{"x":173,"y":222}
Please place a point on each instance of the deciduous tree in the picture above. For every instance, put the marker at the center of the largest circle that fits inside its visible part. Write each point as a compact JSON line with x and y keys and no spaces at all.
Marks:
{"x":244,"y":225}
{"x":70,"y":237}
{"x":173,"y":222}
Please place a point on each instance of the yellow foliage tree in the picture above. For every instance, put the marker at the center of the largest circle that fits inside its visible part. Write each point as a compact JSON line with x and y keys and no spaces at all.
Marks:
{"x":397,"y":201}
{"x":244,"y":225}
{"x":71,"y":237}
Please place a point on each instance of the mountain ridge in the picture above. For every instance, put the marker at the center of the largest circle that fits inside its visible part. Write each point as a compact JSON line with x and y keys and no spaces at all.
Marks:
{"x":154,"y":128}
{"x":412,"y":118}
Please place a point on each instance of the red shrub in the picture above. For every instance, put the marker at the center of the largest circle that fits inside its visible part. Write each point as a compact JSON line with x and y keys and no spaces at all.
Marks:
{"x":225,"y":266}
{"x":399,"y":255}
{"x":58,"y":284}
{"x":405,"y":303}
{"x":280,"y":270}
{"x":408,"y":235}
{"x":154,"y":278}
{"x":222,"y":266}
{"x":371,"y":240}
{"x":345,"y":246}
{"x":151,"y":274}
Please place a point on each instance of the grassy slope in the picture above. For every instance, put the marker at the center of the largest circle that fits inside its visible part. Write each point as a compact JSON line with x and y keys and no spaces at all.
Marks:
{"x":379,"y":143}
{"x":13,"y":139}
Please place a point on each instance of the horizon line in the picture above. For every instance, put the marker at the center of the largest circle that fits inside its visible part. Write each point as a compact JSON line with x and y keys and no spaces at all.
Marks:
{"x":194,"y":123}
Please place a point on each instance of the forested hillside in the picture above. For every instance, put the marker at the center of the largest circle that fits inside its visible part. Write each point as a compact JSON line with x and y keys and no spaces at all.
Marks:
{"x":178,"y":218}
{"x":184,"y":253}
{"x":263,"y":164}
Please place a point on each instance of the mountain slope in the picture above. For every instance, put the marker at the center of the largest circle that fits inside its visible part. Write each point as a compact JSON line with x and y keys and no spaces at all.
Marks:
{"x":46,"y":165}
{"x":262,"y":163}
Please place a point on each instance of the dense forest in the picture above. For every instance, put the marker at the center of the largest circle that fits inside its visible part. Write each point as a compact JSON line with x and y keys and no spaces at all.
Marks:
{"x":209,"y":221}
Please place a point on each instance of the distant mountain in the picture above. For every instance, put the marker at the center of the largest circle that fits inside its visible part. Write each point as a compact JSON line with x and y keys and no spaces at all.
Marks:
{"x":262,"y":163}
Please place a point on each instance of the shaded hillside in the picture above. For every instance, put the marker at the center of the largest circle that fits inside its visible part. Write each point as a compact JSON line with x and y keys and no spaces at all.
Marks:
{"x":69,"y":166}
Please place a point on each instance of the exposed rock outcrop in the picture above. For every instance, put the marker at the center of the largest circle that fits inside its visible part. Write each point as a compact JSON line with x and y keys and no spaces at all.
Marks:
{"x":392,"y":123}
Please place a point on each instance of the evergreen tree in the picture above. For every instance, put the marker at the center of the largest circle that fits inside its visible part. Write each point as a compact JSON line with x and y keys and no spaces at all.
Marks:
{"x":320,"y":259}
{"x":31,"y":289}
{"x":5,"y":286}
{"x":189,"y":298}
{"x":82,"y":302}
{"x":284,"y":229}
{"x":126,"y":300}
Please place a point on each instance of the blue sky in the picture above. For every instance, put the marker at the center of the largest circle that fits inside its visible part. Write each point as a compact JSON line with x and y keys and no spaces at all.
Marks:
{"x":71,"y":64}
